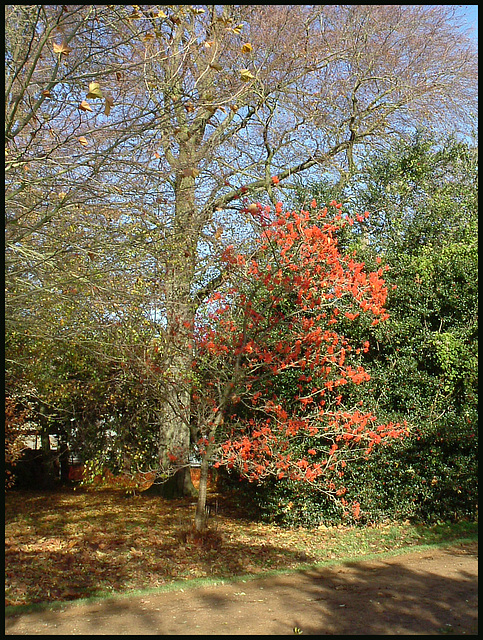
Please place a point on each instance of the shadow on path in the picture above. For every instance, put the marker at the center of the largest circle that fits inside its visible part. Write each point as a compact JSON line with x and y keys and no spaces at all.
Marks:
{"x":431,"y":592}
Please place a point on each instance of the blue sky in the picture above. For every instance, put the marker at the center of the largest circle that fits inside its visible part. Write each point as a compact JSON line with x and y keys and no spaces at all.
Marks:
{"x":470,"y":13}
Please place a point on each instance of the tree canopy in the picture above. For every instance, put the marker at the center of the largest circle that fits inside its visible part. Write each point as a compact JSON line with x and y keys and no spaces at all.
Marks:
{"x":139,"y":140}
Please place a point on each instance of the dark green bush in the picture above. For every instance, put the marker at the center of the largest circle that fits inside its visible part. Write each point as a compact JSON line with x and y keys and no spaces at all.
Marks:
{"x":428,"y":477}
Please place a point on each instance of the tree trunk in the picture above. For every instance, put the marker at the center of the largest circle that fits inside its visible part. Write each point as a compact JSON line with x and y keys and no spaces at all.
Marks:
{"x":178,"y":485}
{"x":174,"y":434}
{"x":174,"y":430}
{"x":64,"y":461}
{"x":200,"y":515}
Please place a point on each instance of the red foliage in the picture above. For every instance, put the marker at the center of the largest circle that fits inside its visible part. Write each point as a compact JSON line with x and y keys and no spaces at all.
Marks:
{"x":107,"y":480}
{"x":76,"y":473}
{"x":283,"y":316}
{"x":15,"y":420}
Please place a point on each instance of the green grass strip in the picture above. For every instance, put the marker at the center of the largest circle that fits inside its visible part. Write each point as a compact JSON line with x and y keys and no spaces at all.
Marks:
{"x":181,"y":585}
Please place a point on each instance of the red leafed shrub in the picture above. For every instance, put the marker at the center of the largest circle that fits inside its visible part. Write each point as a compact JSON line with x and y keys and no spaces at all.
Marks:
{"x":274,"y":364}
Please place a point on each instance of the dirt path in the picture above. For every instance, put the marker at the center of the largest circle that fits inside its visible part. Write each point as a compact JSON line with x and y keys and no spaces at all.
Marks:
{"x":431,"y":592}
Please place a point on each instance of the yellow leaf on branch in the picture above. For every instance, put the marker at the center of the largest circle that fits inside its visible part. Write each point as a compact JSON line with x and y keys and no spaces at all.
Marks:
{"x":246,"y":75}
{"x":94,"y":90}
{"x":85,"y":106}
{"x":62,"y":48}
{"x":191,"y":173}
{"x":107,"y":105}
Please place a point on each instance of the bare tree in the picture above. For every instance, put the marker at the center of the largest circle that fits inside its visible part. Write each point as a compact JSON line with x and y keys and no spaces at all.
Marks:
{"x":63,"y":134}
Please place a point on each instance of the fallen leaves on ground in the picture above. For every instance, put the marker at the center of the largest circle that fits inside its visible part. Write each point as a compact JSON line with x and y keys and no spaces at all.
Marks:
{"x":71,"y":544}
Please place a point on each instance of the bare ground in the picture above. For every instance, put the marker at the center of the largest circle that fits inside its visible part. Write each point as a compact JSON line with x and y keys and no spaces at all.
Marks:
{"x":416,"y":593}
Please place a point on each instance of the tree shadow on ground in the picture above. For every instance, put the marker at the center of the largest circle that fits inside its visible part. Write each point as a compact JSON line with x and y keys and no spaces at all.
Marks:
{"x":52,"y":569}
{"x":434,"y":592}
{"x":93,"y":568}
{"x":66,"y":547}
{"x":385,"y":599}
